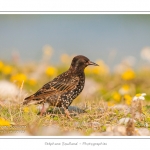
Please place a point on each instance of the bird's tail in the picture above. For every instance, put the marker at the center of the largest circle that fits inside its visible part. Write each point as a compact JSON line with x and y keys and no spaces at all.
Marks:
{"x":26,"y":102}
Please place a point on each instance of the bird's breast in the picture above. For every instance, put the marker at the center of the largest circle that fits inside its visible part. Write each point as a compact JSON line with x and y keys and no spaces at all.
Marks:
{"x":74,"y":92}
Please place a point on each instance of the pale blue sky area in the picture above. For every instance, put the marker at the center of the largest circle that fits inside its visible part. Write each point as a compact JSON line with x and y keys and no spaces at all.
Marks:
{"x":94,"y":36}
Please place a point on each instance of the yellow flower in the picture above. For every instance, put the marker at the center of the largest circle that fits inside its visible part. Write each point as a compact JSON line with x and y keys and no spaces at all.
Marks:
{"x":4,"y":122}
{"x":88,"y":70}
{"x":128,"y":75}
{"x":32,"y":82}
{"x":128,"y":99}
{"x":124,"y":89}
{"x":33,"y":108}
{"x":116,"y":96}
{"x":1,"y":65}
{"x":7,"y":70}
{"x":110,"y":104}
{"x":19,"y":78}
{"x":51,"y":71}
{"x":26,"y":109}
{"x":102,"y":69}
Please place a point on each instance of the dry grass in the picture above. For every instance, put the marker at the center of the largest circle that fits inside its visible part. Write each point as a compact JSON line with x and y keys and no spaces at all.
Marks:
{"x":98,"y":118}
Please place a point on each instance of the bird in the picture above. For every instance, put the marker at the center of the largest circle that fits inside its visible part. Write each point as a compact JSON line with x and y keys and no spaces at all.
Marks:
{"x":63,"y":89}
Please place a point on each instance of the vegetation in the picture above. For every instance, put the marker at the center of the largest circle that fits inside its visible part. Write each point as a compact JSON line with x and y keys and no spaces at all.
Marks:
{"x":112,"y":102}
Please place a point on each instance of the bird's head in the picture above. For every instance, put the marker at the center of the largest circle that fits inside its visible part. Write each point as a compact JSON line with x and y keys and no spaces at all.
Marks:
{"x":80,"y":62}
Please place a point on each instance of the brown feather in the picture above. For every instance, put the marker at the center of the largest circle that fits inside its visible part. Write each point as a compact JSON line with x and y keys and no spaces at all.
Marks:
{"x":56,"y":88}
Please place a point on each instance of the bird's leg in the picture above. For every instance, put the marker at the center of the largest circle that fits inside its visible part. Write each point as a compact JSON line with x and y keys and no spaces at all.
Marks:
{"x":43,"y":110}
{"x":68,"y":114}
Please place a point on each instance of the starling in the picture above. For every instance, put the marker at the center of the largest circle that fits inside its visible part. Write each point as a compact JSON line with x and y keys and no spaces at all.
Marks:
{"x":62,"y":90}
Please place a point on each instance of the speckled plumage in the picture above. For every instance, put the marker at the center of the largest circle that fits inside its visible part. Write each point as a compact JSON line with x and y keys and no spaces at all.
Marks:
{"x":63,"y":89}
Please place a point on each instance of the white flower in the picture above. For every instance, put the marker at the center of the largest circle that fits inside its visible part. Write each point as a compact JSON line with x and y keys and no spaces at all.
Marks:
{"x":124,"y":89}
{"x":139,"y":97}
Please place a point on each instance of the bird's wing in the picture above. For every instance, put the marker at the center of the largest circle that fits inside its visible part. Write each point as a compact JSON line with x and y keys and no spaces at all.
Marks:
{"x":55,"y":87}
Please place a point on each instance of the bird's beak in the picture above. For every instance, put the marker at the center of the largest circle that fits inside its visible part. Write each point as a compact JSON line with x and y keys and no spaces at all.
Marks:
{"x":92,"y":63}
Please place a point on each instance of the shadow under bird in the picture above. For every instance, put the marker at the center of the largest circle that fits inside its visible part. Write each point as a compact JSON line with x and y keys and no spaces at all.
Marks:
{"x":62,"y":90}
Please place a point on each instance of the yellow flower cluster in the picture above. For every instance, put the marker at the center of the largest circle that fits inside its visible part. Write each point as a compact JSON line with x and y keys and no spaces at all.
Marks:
{"x":5,"y":69}
{"x":32,"y":82}
{"x":116,"y":96}
{"x":18,"y":78}
{"x":124,"y":89}
{"x":31,"y":108}
{"x":51,"y":71}
{"x":102,"y":69}
{"x":26,"y":109}
{"x":1,"y":65}
{"x":128,"y":99}
{"x":4,"y":122}
{"x":110,"y":104}
{"x":128,"y":75}
{"x":123,"y":94}
{"x":15,"y":76}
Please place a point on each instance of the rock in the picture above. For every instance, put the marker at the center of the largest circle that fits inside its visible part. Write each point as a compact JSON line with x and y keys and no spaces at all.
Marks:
{"x":51,"y":130}
{"x":102,"y":134}
{"x":72,"y":110}
{"x":143,"y":131}
{"x":122,"y":107}
{"x":124,"y":121}
{"x":72,"y":133}
{"x":117,"y":130}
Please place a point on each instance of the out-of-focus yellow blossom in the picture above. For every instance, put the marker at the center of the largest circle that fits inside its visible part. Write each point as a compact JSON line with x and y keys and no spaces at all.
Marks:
{"x":26,"y":109}
{"x":4,"y":122}
{"x":1,"y":65}
{"x":116,"y":96}
{"x":51,"y":71}
{"x":128,"y":99}
{"x":19,"y":78}
{"x":128,"y":75}
{"x":124,"y":89}
{"x":34,"y":108}
{"x":31,"y":108}
{"x":65,"y":58}
{"x":102,"y":69}
{"x":110,"y":104}
{"x":88,"y":70}
{"x":32,"y":82}
{"x":7,"y":69}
